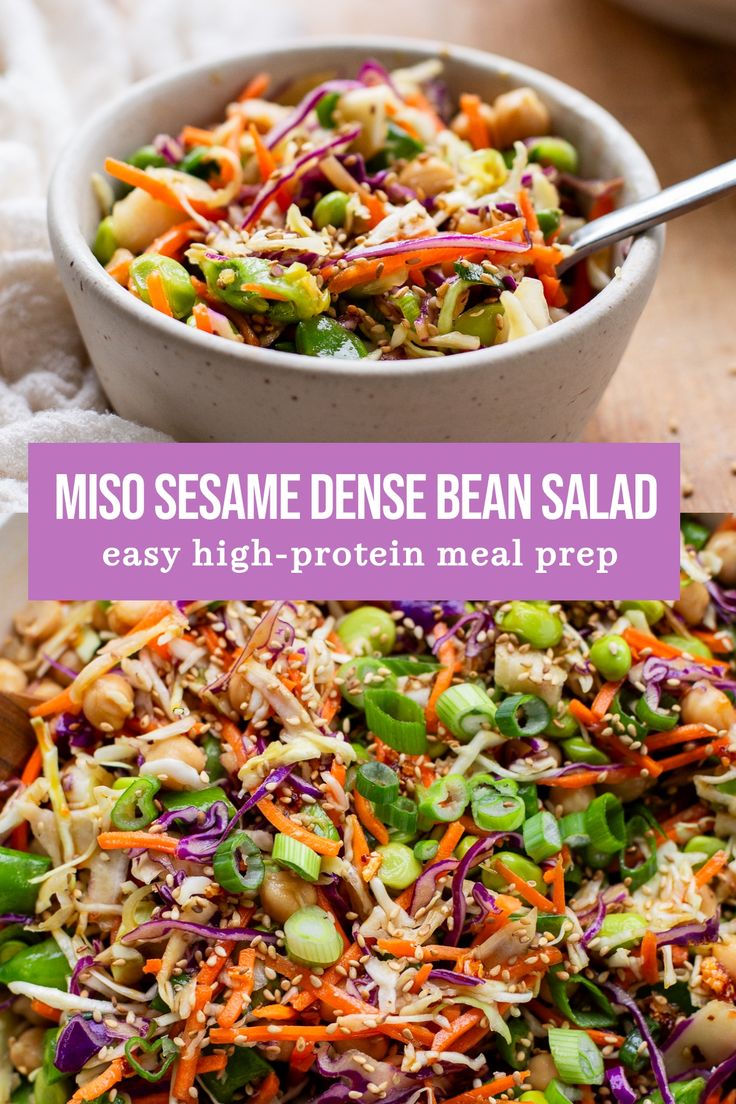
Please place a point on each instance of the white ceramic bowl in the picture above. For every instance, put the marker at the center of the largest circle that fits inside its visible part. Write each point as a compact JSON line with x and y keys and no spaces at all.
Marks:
{"x":161,"y":373}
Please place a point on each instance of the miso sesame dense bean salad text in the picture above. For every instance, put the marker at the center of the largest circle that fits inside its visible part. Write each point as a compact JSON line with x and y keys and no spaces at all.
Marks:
{"x":375,"y":219}
{"x":446,"y":852}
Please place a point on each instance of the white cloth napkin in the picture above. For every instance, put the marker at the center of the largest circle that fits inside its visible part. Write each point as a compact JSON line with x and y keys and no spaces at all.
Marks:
{"x":59,"y":60}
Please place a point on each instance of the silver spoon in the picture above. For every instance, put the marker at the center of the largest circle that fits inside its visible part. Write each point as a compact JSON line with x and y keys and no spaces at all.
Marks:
{"x":645,"y":213}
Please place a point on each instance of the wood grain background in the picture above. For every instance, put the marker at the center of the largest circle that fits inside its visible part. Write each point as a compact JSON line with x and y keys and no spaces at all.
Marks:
{"x":678,"y":97}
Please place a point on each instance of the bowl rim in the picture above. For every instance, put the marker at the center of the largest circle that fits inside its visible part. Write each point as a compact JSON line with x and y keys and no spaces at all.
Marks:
{"x":68,"y":240}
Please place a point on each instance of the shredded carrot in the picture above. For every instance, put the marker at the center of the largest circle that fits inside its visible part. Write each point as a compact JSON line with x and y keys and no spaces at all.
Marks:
{"x":581,"y":713}
{"x":102,"y":1083}
{"x":233,"y":737}
{"x":241,"y":980}
{"x":211,"y":1063}
{"x":685,"y":758}
{"x":151,"y":841}
{"x":554,"y":292}
{"x":60,"y":703}
{"x":500,"y":1085}
{"x":451,"y":838}
{"x":447,"y":1037}
{"x":201,"y":315}
{"x":152,"y":966}
{"x":421,"y":976}
{"x":418,"y":99}
{"x":431,"y":952}
{"x":158,"y":189}
{"x":649,"y":966}
{"x":157,"y":294}
{"x":266,"y":160}
{"x":527,"y":210}
{"x":447,"y":656}
{"x":604,"y":698}
{"x":155,"y":613}
{"x":640,"y":759}
{"x":642,"y":641}
{"x":478,"y":131}
{"x":42,"y":1009}
{"x":267,"y":1034}
{"x":284,"y":824}
{"x":693,"y":813}
{"x":302,"y":1058}
{"x":680,"y":735}
{"x":120,"y":269}
{"x":256,"y":87}
{"x":196,"y":136}
{"x":265,"y":292}
{"x":527,"y":891}
{"x":558,"y":886}
{"x":361,"y":851}
{"x":268,"y":1090}
{"x":368,"y":818}
{"x":273,"y":1012}
{"x":537,"y":962}
{"x":173,"y":241}
{"x":710,"y":868}
{"x":579,"y":778}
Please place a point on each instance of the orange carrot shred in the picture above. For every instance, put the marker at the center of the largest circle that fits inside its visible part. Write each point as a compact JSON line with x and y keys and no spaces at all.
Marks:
{"x":157,"y":293}
{"x":649,"y":967}
{"x":368,"y":818}
{"x":710,"y":868}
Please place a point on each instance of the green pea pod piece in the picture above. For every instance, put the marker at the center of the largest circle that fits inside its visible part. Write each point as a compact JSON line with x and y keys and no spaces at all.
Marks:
{"x":238,"y":864}
{"x":243,"y":1066}
{"x":12,"y":947}
{"x":148,"y":157}
{"x":175,"y":278}
{"x":105,"y":242}
{"x":135,"y":809}
{"x":198,"y":161}
{"x":44,"y":1092}
{"x":324,"y":337}
{"x":482,"y":322}
{"x":42,"y":964}
{"x":200,"y":799}
{"x":17,"y":868}
{"x":291,"y":294}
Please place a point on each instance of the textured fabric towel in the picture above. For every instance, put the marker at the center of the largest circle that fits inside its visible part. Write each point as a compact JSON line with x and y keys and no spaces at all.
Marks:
{"x":59,"y":60}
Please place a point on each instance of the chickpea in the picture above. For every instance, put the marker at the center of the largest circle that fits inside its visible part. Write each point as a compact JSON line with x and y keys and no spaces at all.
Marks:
{"x":12,"y":679}
{"x":122,"y":616}
{"x":726,"y":955}
{"x":68,"y":659}
{"x":629,"y":790}
{"x":38,"y":620}
{"x":108,"y":703}
{"x":429,"y":175}
{"x":26,"y":1051}
{"x":283,"y":892}
{"x":542,"y":1070}
{"x":239,"y":690}
{"x":182,"y":750}
{"x":704,"y":704}
{"x":723,"y":544}
{"x":23,"y":1009}
{"x":518,"y":114}
{"x":44,"y":689}
{"x":693,"y":602}
{"x":571,"y":801}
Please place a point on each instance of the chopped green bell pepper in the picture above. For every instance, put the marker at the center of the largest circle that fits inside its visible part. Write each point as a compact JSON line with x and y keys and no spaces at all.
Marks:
{"x":324,"y":337}
{"x":42,"y":964}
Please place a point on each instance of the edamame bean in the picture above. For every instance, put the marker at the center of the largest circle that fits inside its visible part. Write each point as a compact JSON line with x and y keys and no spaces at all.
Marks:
{"x":611,"y":657}
{"x":533,"y":623}
{"x":653,"y":611}
{"x":555,"y":151}
{"x":331,"y":210}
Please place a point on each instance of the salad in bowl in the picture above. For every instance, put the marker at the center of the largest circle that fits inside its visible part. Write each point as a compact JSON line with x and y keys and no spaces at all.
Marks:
{"x":362,"y":218}
{"x":445,"y":852}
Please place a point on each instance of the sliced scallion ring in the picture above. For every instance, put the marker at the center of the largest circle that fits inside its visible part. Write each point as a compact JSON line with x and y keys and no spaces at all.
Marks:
{"x":522,"y":715}
{"x":574,"y":830}
{"x":400,"y":814}
{"x":358,"y":675}
{"x":577,"y":1058}
{"x":464,"y":709}
{"x":604,"y":820}
{"x":312,"y":938}
{"x":542,"y":837}
{"x":498,"y":812}
{"x":639,"y":834}
{"x":397,"y":720}
{"x":377,"y":782}
{"x":296,"y":856}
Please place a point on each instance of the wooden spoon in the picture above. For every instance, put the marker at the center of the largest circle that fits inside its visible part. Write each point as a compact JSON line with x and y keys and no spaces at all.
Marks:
{"x":17,"y":739}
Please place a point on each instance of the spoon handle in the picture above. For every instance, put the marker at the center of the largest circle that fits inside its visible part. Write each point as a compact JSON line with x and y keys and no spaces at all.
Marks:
{"x":664,"y":205}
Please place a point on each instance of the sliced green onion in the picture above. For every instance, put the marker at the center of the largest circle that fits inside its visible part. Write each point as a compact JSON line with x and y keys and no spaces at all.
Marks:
{"x":556,"y":1093}
{"x":444,"y":801}
{"x":408,"y":304}
{"x":574,"y":830}
{"x":563,"y":725}
{"x":296,"y":856}
{"x":312,"y":938}
{"x":542,"y":837}
{"x":522,"y":715}
{"x":377,"y":782}
{"x":604,"y":819}
{"x":633,"y":1053}
{"x":577,"y":1058}
{"x":135,"y":809}
{"x":684,"y":1092}
{"x":579,"y":750}
{"x":361,"y":674}
{"x":562,"y":991}
{"x":397,"y":720}
{"x":639,"y":835}
{"x":401,"y":814}
{"x":399,"y":867}
{"x":528,"y":794}
{"x":238,"y":864}
{"x":316,"y":820}
{"x":425,"y":850}
{"x":368,"y":630}
{"x":517,"y":1050}
{"x":497,"y":812}
{"x":464,"y":709}
{"x":659,"y":720}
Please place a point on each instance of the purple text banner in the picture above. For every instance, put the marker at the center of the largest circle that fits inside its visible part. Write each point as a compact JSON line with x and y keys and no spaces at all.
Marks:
{"x":357,"y":521}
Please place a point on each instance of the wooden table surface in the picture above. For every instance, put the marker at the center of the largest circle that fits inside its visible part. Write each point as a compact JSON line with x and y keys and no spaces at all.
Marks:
{"x":678,"y":97}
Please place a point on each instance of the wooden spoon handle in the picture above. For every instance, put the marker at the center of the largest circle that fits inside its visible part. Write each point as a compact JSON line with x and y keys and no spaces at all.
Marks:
{"x":17,"y":739}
